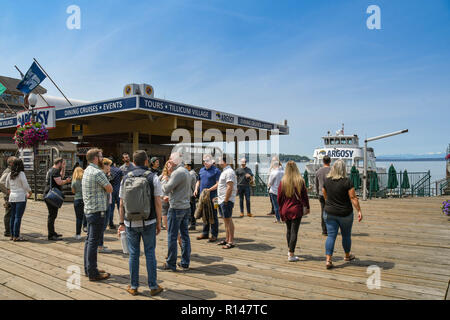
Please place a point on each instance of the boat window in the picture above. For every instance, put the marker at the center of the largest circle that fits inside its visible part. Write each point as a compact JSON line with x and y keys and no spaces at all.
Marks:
{"x":350,"y":141}
{"x":331,"y":141}
{"x":343,"y":141}
{"x":327,"y":141}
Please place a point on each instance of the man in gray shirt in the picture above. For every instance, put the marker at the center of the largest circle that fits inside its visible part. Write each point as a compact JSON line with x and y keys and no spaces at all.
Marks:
{"x":321,"y":176}
{"x":179,"y":189}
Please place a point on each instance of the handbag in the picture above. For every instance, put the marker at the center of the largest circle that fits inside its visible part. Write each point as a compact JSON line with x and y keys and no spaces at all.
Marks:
{"x":54,"y":197}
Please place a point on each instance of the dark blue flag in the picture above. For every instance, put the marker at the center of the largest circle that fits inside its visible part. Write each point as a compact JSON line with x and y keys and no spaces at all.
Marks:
{"x":32,"y":79}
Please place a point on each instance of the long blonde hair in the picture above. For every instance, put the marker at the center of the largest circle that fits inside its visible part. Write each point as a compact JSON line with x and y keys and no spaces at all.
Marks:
{"x":77,"y":173}
{"x":338,"y":170}
{"x":292,"y":179}
{"x":165,"y":171}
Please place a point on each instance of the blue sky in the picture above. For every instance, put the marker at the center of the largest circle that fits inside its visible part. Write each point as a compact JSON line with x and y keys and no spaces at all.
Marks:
{"x":314,"y":63}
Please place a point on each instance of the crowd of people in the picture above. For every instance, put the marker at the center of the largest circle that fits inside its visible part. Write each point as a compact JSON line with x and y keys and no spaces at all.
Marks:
{"x":149,"y":200}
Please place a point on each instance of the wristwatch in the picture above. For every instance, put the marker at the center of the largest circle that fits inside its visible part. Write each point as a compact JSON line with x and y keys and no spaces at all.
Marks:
{"x":121,"y":224}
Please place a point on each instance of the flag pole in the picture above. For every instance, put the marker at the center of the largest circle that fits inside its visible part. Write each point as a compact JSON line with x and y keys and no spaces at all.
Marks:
{"x":52,"y":81}
{"x":33,"y":117}
{"x":7,"y":105}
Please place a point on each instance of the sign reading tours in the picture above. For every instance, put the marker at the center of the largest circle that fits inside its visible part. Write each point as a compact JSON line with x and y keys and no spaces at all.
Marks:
{"x":45,"y":115}
{"x":174,"y":108}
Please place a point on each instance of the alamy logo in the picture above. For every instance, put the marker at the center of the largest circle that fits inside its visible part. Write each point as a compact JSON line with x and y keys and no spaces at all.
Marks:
{"x":74,"y":280}
{"x":374,"y":20}
{"x":74,"y":20}
{"x":374,"y":280}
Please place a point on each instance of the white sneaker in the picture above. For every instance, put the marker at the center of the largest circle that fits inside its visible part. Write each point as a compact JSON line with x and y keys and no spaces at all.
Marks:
{"x":104,"y":250}
{"x":293,"y":258}
{"x":78,"y":237}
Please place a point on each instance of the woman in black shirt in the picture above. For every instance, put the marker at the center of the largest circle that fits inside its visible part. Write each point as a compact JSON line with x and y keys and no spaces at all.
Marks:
{"x":339,"y":195}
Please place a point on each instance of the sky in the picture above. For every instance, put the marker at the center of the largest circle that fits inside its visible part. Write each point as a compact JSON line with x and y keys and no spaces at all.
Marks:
{"x":314,"y":63}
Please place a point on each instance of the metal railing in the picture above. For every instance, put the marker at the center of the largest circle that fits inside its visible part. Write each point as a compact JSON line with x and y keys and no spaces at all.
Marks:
{"x":420,"y":186}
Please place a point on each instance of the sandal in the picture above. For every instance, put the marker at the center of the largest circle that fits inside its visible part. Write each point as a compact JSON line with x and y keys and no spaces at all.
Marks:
{"x":222,"y":243}
{"x":329,"y":264}
{"x":228,"y":246}
{"x":20,"y":239}
{"x":350,"y":257}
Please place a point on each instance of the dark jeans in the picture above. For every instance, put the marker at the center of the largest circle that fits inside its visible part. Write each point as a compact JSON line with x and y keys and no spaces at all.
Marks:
{"x":322,"y":206}
{"x":115,"y":203}
{"x":95,"y":223}
{"x":214,"y":227}
{"x":52,"y":214}
{"x":148,"y":234}
{"x":193,"y":222}
{"x":17,"y":210}
{"x":178,"y":222}
{"x":292,"y":227}
{"x":7,"y":217}
{"x":79,"y":214}
{"x":244,"y":191}
{"x":334,"y":223}
{"x":105,"y":224}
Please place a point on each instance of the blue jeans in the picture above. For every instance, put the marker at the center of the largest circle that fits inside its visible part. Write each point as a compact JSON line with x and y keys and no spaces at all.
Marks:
{"x":17,"y":210}
{"x":115,"y":202}
{"x":79,"y":214}
{"x":178,"y":222}
{"x":333,"y":224}
{"x":276,"y":208}
{"x":95,"y":229}
{"x":148,"y":234}
{"x":244,"y":191}
{"x":105,"y":224}
{"x":214,"y":227}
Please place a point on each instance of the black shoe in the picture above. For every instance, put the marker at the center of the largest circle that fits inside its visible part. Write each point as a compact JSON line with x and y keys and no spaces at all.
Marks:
{"x":181,"y":266}
{"x":112,"y":227}
{"x":58,"y":235}
{"x":54,"y":238}
{"x":6,"y":234}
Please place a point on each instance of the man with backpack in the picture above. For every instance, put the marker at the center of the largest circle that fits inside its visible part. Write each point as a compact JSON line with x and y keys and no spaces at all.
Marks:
{"x":179,"y":189}
{"x":140,"y":216}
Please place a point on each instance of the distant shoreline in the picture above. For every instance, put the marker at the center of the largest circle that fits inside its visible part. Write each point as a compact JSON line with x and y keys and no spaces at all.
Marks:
{"x":401,"y":160}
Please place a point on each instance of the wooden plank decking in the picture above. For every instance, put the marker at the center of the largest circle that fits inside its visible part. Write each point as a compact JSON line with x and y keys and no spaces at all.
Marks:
{"x":409,"y":239}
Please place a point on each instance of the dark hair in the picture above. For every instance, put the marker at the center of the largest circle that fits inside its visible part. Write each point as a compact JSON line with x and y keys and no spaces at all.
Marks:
{"x":16,"y":168}
{"x":224,"y":158}
{"x":189,"y":165}
{"x":125,"y":153}
{"x":326,"y":160}
{"x":139,"y":157}
{"x":58,"y":161}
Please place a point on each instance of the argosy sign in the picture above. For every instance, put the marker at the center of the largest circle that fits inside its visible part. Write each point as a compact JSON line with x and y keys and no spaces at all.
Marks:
{"x":45,"y":115}
{"x":337,"y":153}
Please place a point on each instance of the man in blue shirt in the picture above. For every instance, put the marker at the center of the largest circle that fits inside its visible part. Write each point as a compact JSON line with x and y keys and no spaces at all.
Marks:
{"x":208,"y":179}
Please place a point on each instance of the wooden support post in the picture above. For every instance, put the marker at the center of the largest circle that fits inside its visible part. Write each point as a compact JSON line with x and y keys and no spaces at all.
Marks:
{"x":135,"y":141}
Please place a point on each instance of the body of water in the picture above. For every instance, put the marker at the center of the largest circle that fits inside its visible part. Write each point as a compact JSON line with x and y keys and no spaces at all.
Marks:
{"x":437,"y":168}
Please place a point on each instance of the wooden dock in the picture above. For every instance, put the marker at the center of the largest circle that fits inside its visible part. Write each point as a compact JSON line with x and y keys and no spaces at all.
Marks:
{"x":408,"y":239}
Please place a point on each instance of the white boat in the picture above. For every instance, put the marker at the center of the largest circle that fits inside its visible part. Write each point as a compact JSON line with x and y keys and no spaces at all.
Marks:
{"x":345,"y":147}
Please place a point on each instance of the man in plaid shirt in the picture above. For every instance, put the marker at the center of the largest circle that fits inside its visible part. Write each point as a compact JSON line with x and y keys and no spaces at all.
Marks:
{"x":95,"y":188}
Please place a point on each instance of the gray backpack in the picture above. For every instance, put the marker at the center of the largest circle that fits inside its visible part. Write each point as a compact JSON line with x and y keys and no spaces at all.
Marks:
{"x":137,"y":196}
